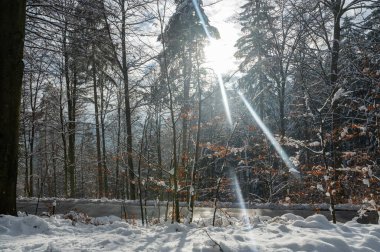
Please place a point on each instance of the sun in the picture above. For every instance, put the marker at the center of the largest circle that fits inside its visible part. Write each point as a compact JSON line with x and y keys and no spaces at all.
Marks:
{"x":218,"y":56}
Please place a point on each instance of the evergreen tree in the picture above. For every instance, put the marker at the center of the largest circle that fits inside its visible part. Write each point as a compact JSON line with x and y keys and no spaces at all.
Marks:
{"x":271,"y":34}
{"x":253,"y":49}
{"x":184,"y":39}
{"x":92,"y":45}
{"x":372,"y":24}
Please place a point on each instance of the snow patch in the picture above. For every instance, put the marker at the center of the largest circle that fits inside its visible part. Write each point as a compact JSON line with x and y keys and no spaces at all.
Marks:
{"x":288,"y":232}
{"x":339,"y":94}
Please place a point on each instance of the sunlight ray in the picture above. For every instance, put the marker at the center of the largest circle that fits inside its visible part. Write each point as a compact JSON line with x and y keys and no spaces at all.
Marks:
{"x":245,"y":218}
{"x":217,"y":72}
{"x":270,"y":137}
{"x":225,"y":99}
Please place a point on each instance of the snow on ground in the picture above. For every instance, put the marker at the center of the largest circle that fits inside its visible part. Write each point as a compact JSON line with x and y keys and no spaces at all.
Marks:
{"x":286,"y":233}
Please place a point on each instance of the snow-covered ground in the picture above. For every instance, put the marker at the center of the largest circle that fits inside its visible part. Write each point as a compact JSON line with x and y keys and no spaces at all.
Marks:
{"x":286,"y":233}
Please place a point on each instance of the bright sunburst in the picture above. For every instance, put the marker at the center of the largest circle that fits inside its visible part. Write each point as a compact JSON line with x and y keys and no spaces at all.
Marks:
{"x":218,"y":56}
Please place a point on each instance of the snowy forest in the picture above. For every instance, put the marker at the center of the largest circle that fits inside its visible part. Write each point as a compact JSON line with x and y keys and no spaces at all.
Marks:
{"x":190,"y":104}
{"x":118,"y":101}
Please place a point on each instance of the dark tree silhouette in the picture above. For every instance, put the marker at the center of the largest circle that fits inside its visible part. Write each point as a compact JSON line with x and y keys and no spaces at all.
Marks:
{"x":12,"y":24}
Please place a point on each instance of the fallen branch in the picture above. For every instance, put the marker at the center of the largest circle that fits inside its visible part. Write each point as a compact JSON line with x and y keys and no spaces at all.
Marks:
{"x":220,"y":247}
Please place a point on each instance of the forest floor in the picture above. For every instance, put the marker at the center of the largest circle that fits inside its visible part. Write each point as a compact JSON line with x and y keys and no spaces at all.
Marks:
{"x":289,"y":232}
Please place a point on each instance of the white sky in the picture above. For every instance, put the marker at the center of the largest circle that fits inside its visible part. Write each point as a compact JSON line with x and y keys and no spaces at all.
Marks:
{"x":222,"y":15}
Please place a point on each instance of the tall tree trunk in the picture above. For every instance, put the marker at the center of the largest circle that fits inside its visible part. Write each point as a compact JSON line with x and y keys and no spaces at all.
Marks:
{"x":54,"y":153}
{"x":336,"y":9}
{"x":118,"y":154}
{"x":97,"y":126}
{"x":81,"y":166}
{"x":196,"y":155}
{"x":32,"y":133}
{"x":139,"y":171}
{"x":282,"y":106}
{"x":128,"y":111}
{"x":63,"y":136}
{"x":187,"y":69}
{"x":71,"y":100}
{"x":46,"y":157}
{"x":26,"y":150}
{"x":148,"y":142}
{"x":104,"y":151}
{"x":176,"y":216}
{"x":72,"y":131}
{"x":158,"y":146}
{"x":31,"y":163}
{"x":12,"y":28}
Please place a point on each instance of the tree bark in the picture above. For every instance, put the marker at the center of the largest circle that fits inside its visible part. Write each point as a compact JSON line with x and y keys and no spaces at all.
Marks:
{"x":158,"y":147}
{"x":336,"y":9}
{"x":31,"y":142}
{"x":118,"y":154}
{"x":98,"y":150}
{"x":175,"y":215}
{"x":128,"y":115}
{"x":63,"y":136}
{"x":71,"y":131}
{"x":71,"y":125}
{"x":187,"y":69}
{"x":139,"y":170}
{"x":26,"y":151}
{"x":12,"y":30}
{"x":104,"y":150}
{"x":197,"y":141}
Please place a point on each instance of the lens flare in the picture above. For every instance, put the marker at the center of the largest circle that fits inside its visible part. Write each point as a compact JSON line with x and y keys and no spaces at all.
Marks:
{"x":225,"y":99}
{"x":266,"y":131}
{"x":246,"y":220}
{"x":270,"y":137}
{"x":217,"y":72}
{"x":240,"y":198}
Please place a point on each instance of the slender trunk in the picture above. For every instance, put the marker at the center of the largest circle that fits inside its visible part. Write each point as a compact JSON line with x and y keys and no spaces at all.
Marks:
{"x":333,"y":83}
{"x":54,"y":150}
{"x":104,"y":151}
{"x":26,"y":149}
{"x":46,"y":157}
{"x":72,"y":132}
{"x":139,"y":171}
{"x":63,"y":137}
{"x":81,"y":166}
{"x":196,"y":155}
{"x":282,"y":106}
{"x":128,"y":111}
{"x":335,"y":119}
{"x":218,"y":184}
{"x":176,"y":216}
{"x":31,"y":166}
{"x":220,"y":179}
{"x":32,"y":133}
{"x":118,"y":154}
{"x":187,"y":69}
{"x":158,"y":147}
{"x":147,"y":153}
{"x":98,"y":150}
{"x":70,"y":94}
